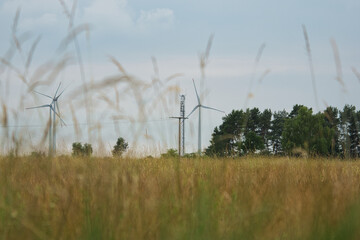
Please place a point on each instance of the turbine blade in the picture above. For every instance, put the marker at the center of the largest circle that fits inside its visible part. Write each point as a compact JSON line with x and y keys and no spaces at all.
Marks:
{"x":63,"y":90}
{"x":60,"y":94}
{"x":197,"y":95}
{"x":212,"y":108}
{"x":42,"y":106}
{"x":57,"y":90}
{"x":193,"y":110}
{"x":42,"y":94}
{"x":58,"y":109}
{"x":58,"y":116}
{"x":62,"y":121}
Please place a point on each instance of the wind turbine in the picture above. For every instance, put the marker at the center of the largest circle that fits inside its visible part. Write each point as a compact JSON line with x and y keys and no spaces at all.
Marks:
{"x":52,"y":129}
{"x":196,"y":107}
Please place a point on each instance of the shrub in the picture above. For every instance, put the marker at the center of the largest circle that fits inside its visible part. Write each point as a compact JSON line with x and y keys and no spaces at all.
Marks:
{"x":120,"y":147}
{"x":81,"y":150}
{"x":171,"y":153}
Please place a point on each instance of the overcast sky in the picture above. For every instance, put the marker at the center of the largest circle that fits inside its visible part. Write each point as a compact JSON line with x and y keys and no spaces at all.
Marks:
{"x":176,"y":32}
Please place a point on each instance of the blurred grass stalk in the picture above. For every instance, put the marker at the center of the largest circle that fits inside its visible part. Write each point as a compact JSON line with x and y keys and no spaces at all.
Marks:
{"x":158,"y":94}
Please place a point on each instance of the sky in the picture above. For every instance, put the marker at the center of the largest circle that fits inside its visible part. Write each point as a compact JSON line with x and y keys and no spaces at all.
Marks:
{"x":176,"y":33}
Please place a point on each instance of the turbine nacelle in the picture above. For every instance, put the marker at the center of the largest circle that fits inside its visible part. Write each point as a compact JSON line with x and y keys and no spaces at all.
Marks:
{"x":54,"y":104}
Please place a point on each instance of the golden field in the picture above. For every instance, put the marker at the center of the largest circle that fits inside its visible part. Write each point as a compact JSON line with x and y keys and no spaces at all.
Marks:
{"x":201,"y":198}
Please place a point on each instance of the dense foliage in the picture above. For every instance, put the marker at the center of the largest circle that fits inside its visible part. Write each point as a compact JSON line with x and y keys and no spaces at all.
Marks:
{"x":81,"y":150}
{"x":332,"y":132}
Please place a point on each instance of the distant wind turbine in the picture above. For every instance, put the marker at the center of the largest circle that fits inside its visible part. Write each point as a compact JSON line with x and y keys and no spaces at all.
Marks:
{"x":54,"y":107}
{"x":196,"y":107}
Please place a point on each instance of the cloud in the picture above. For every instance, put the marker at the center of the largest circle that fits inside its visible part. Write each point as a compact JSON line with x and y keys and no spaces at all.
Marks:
{"x":35,"y":15}
{"x":108,"y":14}
{"x":163,"y":17}
{"x":116,"y":15}
{"x":105,"y":15}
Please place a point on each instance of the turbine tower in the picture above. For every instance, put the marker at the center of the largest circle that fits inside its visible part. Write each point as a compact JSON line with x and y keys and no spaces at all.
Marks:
{"x":196,"y":107}
{"x":181,"y":126}
{"x":182,"y":123}
{"x":52,"y":128}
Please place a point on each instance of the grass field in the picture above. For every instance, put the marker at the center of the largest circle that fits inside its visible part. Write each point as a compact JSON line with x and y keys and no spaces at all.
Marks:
{"x":248,"y":198}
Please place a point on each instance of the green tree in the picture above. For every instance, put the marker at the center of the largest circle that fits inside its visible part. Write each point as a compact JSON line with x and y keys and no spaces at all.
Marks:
{"x":81,"y":150}
{"x":252,"y":122}
{"x":308,"y":132}
{"x":219,"y":145}
{"x":240,"y":133}
{"x":226,"y":138}
{"x":332,"y":121}
{"x":77,"y":149}
{"x":120,"y":147}
{"x":277,"y":126}
{"x":350,"y":131}
{"x":265,"y":126}
{"x":252,"y":143}
{"x":295,"y":110}
{"x":87,"y":150}
{"x":256,"y":130}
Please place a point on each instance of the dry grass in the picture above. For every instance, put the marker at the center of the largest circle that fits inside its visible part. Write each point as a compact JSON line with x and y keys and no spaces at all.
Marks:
{"x":107,"y":198}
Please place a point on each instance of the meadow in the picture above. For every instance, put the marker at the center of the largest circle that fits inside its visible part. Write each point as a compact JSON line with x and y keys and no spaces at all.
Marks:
{"x":67,"y":197}
{"x":170,"y":198}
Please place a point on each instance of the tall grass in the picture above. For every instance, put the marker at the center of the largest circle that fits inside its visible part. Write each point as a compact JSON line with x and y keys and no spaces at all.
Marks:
{"x":106,"y":198}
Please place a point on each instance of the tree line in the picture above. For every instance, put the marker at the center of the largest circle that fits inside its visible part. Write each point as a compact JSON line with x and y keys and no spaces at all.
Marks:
{"x":332,"y":132}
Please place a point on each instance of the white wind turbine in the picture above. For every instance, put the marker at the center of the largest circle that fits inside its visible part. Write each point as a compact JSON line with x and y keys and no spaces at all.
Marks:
{"x":52,"y":128}
{"x":196,"y":107}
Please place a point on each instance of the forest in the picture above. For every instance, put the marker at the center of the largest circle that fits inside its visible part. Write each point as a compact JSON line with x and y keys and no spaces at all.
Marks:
{"x":330,"y":133}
